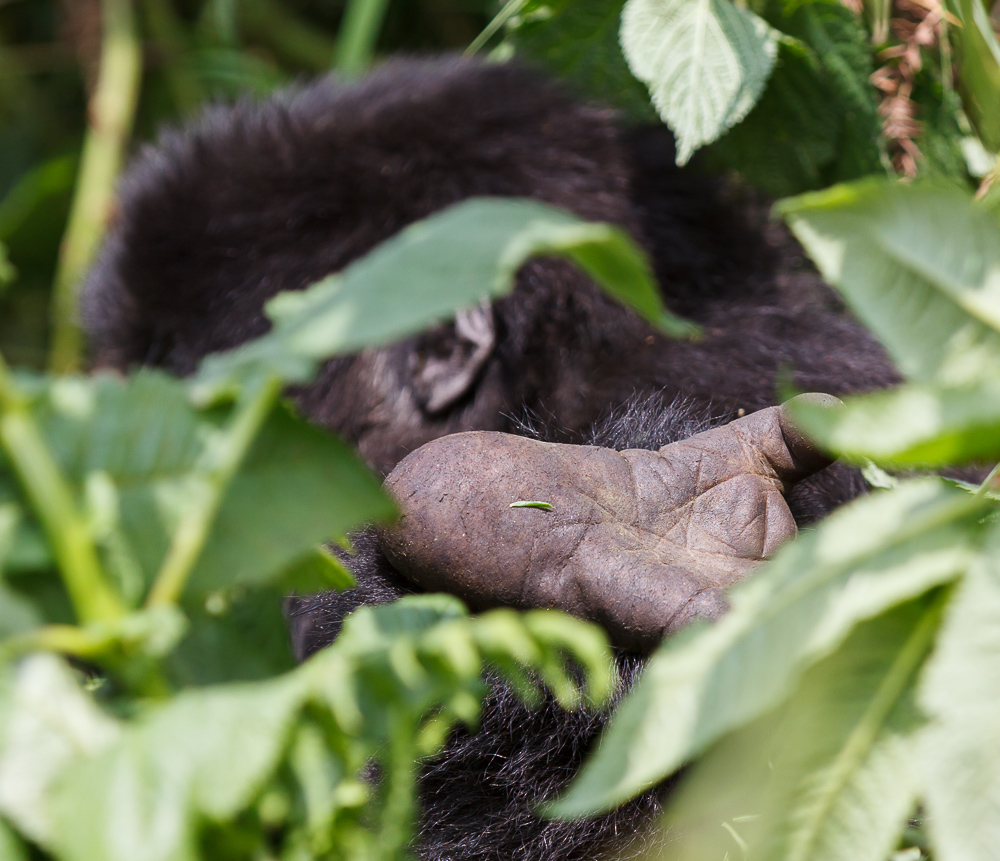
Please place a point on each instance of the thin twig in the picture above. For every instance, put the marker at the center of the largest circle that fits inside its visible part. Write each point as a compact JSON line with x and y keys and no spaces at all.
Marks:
{"x":510,"y":8}
{"x":52,"y":500}
{"x":111,"y":109}
{"x":358,"y":35}
{"x":989,"y":481}
{"x":218,"y":472}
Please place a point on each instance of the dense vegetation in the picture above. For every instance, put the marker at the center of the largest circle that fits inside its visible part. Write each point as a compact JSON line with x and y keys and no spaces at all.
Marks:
{"x":845,"y":709}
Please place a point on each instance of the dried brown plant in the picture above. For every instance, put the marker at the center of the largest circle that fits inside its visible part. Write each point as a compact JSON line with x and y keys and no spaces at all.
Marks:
{"x":915,"y":26}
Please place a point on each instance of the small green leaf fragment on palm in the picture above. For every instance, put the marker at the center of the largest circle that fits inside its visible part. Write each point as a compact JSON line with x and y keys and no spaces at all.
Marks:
{"x":530,"y":503}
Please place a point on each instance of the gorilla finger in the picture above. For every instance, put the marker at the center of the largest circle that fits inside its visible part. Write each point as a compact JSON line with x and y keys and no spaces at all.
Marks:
{"x":787,"y":452}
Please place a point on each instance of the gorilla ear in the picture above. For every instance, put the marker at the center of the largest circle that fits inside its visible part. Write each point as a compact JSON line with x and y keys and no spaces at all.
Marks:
{"x":447,"y":362}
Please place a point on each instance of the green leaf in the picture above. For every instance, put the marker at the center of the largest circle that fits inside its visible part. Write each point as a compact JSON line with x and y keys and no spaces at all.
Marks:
{"x":704,"y":61}
{"x":298,"y":487}
{"x":204,"y":754}
{"x":11,"y":848}
{"x":234,"y":636}
{"x":322,"y":781}
{"x":844,"y":779}
{"x":577,"y":40}
{"x":817,"y":121}
{"x":919,"y":264}
{"x":369,"y":628}
{"x":914,"y":425}
{"x":317,"y":569}
{"x":560,"y":635}
{"x":50,"y":179}
{"x":944,"y":139}
{"x":451,"y":260}
{"x":142,"y":434}
{"x":830,"y":775}
{"x":960,"y":755}
{"x":48,"y":722}
{"x":16,"y":612}
{"x":213,"y":767}
{"x":978,"y":54}
{"x":866,"y":557}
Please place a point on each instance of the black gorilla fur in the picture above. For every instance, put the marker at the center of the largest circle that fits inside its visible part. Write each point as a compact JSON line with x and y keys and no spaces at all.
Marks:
{"x":262,"y":198}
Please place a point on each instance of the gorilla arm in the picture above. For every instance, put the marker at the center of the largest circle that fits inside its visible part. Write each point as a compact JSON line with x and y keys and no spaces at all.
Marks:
{"x":639,"y":541}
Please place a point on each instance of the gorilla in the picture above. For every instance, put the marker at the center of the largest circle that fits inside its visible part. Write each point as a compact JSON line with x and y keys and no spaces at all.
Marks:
{"x":258,"y":198}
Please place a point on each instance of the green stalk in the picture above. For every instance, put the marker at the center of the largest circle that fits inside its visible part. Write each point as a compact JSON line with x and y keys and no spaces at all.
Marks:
{"x":224,"y":460}
{"x":510,"y":8}
{"x":398,"y":805}
{"x":989,"y":482}
{"x":111,"y":110}
{"x":71,"y":640}
{"x":879,"y":12}
{"x":358,"y":34}
{"x":52,"y":500}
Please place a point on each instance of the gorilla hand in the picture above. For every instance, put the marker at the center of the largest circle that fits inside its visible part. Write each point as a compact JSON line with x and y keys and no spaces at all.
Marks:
{"x":639,"y":541}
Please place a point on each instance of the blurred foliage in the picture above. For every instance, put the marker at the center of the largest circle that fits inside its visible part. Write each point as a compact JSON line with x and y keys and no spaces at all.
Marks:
{"x":193,"y":51}
{"x":149,"y":529}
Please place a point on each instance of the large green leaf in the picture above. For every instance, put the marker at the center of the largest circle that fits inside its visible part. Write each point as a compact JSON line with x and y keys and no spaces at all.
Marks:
{"x":919,"y":264}
{"x":867,"y":557}
{"x":943,"y":140}
{"x":11,"y":848}
{"x":960,"y":757}
{"x":297,"y":487}
{"x":204,"y":754}
{"x":844,"y":780}
{"x":914,"y":425}
{"x":578,"y":41}
{"x":704,"y":61}
{"x":829,"y":776}
{"x":46,"y":723}
{"x":16,"y":613}
{"x":206,"y":757}
{"x":453,"y":259}
{"x":232,"y":636}
{"x":978,"y":53}
{"x":143,"y":436}
{"x":817,"y":121}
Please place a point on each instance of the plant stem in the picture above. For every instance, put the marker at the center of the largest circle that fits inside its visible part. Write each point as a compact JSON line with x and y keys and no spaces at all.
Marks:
{"x":510,"y":8}
{"x":111,"y":109}
{"x":358,"y":34}
{"x":988,"y":482}
{"x":223,"y":459}
{"x":52,"y":500}
{"x":64,"y":639}
{"x":397,"y":815}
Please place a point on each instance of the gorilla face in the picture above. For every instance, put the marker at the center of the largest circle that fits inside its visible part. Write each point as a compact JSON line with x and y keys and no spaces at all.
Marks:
{"x":256,"y":199}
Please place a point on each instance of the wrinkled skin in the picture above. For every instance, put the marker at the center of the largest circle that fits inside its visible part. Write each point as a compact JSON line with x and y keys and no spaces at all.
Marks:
{"x":641,"y":542}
